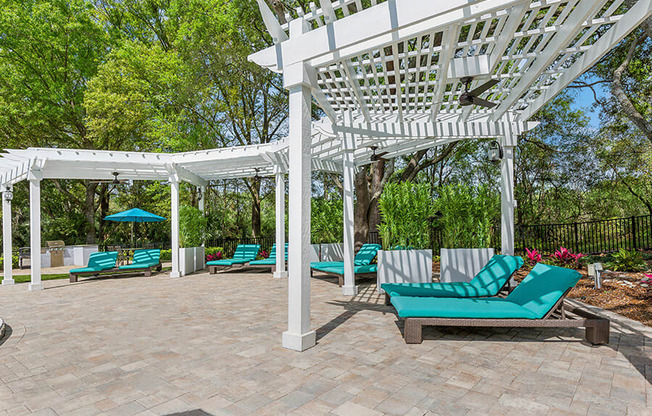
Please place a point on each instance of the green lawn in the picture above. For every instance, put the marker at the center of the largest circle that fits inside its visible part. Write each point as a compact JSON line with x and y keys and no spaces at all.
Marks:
{"x":27,"y":278}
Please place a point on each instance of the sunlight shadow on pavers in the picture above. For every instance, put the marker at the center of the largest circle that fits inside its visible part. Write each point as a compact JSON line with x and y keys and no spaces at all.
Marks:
{"x":7,"y":335}
{"x":196,"y":412}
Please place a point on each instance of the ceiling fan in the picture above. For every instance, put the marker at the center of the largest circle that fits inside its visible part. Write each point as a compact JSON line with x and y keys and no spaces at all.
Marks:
{"x":114,"y":181}
{"x":376,"y":157}
{"x":471,"y":97}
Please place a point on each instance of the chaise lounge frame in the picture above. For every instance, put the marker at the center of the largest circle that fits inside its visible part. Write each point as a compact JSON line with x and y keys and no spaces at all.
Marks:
{"x":597,"y":328}
{"x":147,"y":272}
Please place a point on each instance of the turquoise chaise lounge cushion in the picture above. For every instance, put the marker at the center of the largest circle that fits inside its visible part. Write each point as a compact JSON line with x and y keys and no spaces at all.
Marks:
{"x":543,"y":287}
{"x":364,"y":257}
{"x":143,"y":259}
{"x":100,"y":261}
{"x":488,"y":282}
{"x":271,"y":260}
{"x":532,"y":299}
{"x":244,"y":253}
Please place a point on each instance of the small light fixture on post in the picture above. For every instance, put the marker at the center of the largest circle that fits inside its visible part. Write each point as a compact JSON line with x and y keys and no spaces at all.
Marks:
{"x":495,"y":152}
{"x":8,"y":195}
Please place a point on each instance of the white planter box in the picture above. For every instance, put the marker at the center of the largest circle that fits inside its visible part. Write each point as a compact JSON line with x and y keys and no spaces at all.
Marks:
{"x":404,"y":266}
{"x":462,"y":264}
{"x":191,"y":259}
{"x":332,"y":252}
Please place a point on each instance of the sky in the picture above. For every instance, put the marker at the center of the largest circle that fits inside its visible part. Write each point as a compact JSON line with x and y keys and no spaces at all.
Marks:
{"x":584,"y":100}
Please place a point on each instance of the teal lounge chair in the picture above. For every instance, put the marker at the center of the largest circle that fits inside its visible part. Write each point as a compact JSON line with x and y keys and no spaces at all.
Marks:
{"x":536,"y":302}
{"x":493,"y":277}
{"x":244,"y":253}
{"x":362,"y":263}
{"x":271,"y":260}
{"x":97,"y":262}
{"x":145,"y":261}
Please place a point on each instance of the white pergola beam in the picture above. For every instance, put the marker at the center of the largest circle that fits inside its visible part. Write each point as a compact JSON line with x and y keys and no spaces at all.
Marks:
{"x":392,"y":21}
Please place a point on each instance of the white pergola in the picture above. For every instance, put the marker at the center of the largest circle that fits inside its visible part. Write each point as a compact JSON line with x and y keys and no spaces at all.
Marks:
{"x":386,"y":74}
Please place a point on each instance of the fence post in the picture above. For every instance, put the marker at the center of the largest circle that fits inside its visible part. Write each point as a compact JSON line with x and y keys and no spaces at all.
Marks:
{"x":634,"y":245}
{"x":577,"y":244}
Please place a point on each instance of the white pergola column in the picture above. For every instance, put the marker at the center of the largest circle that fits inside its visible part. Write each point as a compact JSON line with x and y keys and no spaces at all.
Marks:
{"x":280,"y":226}
{"x":299,"y":337}
{"x":507,"y":202}
{"x":6,"y":236}
{"x":174,"y":213}
{"x":349,"y":288}
{"x":35,"y":177}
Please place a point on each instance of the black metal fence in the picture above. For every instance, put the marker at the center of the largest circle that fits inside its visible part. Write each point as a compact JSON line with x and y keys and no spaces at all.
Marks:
{"x":591,"y":237}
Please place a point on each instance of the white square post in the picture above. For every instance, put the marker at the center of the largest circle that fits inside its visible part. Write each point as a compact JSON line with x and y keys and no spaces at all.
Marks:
{"x":7,"y":235}
{"x":280,"y":225}
{"x":174,"y":212}
{"x":299,"y":337}
{"x":349,"y":288}
{"x":35,"y":176}
{"x":507,"y":202}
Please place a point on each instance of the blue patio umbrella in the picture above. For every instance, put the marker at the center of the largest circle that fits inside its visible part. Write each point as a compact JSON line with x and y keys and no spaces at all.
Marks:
{"x":134,"y":215}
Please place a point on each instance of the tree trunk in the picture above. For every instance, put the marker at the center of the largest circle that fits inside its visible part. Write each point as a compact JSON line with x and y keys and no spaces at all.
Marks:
{"x":360,"y":216}
{"x":255,"y":207}
{"x":89,"y":212}
{"x":104,"y":208}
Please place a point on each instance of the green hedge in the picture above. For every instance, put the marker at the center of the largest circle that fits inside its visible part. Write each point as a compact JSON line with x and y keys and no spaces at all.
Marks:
{"x":14,"y":262}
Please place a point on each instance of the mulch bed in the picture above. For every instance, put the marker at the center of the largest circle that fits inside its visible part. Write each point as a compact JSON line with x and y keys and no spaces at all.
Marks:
{"x":634,"y":302}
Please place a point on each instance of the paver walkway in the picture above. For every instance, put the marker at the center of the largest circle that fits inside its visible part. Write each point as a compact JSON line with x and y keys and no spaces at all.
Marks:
{"x":210,"y":345}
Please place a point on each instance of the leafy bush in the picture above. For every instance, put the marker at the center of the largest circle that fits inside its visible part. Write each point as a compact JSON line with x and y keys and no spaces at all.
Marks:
{"x":214,"y":253}
{"x":166,"y":255}
{"x":14,"y":262}
{"x":406,"y":209}
{"x":326,"y":220}
{"x":468,"y":214}
{"x":627,"y":261}
{"x":192,"y":226}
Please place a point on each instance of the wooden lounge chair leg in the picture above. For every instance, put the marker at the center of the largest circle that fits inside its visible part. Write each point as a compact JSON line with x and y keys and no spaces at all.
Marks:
{"x":73,"y":278}
{"x":340,"y":280}
{"x":598,"y":333}
{"x":412,"y":331}
{"x":273,"y":269}
{"x":212,"y":269}
{"x":388,"y":299}
{"x":148,"y":272}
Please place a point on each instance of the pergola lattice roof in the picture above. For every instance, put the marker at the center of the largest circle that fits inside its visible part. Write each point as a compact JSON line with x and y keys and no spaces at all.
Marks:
{"x":404,"y":59}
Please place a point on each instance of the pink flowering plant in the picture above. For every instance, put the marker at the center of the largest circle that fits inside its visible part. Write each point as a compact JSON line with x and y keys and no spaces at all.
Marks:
{"x":533,"y":256}
{"x":566,"y":258}
{"x":647,"y":279}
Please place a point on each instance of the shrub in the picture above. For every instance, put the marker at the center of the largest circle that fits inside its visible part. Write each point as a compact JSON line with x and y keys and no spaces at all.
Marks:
{"x":406,"y":209}
{"x":166,"y":255}
{"x":563,"y":257}
{"x":533,"y":256}
{"x":14,"y":262}
{"x":214,"y":253}
{"x":627,"y":261}
{"x":326,"y":220}
{"x":192,"y":226}
{"x":468,"y":214}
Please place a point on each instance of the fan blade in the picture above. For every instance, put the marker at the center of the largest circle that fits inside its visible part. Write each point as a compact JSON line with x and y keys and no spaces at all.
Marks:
{"x":484,"y":87}
{"x":483,"y":103}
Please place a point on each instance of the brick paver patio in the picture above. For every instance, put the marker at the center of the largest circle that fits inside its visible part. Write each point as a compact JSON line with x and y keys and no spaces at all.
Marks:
{"x":210,"y":345}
